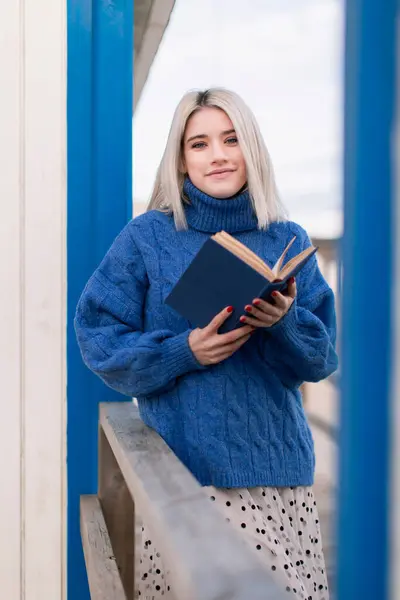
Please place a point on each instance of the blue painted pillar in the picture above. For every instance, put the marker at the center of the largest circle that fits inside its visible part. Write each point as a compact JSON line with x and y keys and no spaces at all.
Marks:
{"x":100,"y":53}
{"x":366,"y":304}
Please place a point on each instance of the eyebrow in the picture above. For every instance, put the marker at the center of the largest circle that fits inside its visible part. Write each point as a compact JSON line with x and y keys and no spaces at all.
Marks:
{"x":202,"y":136}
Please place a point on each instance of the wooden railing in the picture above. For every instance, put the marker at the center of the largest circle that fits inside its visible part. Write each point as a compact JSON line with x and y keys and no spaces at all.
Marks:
{"x":140,"y":479}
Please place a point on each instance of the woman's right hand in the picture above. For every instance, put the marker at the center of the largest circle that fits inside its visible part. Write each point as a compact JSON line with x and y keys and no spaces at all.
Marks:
{"x":211,"y":347}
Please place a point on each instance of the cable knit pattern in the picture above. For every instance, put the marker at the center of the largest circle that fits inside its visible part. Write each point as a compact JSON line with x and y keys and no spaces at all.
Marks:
{"x":236,"y":424}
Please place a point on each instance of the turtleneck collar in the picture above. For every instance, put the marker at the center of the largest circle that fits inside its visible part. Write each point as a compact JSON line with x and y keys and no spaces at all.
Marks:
{"x":208,"y":214}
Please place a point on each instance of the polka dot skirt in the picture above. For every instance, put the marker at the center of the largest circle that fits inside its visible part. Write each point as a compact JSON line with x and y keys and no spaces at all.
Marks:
{"x":280,"y":524}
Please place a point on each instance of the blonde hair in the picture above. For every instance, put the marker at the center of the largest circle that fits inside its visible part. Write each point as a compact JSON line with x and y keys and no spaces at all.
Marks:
{"x":167,"y":193}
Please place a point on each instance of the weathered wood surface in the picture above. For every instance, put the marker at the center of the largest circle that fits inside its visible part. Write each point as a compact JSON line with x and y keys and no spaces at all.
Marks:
{"x":103,"y":576}
{"x":205,"y":556}
{"x":118,"y":509}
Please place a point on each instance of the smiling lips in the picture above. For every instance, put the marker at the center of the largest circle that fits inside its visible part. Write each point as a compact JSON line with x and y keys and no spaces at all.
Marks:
{"x":220,"y":173}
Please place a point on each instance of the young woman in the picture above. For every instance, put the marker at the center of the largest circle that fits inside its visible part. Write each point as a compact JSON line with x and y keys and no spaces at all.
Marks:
{"x":229,"y":404}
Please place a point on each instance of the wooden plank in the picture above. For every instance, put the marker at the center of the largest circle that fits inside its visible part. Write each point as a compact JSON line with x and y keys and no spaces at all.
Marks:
{"x":44,"y":358}
{"x":103,"y":576}
{"x":150,"y":21}
{"x":11,"y":322}
{"x":118,"y":509}
{"x":205,"y":556}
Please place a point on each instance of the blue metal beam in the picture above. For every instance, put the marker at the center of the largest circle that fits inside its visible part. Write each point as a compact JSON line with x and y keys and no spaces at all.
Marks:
{"x":99,"y":128}
{"x":366,"y":302}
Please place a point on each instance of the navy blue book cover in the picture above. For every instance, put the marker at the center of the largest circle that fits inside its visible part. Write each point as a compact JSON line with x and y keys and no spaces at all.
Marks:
{"x":216,"y":279}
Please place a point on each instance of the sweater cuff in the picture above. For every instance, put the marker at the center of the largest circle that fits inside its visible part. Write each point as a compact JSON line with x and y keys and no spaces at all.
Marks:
{"x":178,"y":357}
{"x":286,"y":327}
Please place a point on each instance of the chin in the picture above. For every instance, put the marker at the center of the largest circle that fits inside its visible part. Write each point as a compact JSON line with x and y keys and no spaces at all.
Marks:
{"x":223,"y":191}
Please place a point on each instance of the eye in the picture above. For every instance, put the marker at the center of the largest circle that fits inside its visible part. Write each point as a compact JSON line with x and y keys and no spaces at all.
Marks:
{"x":232,"y":140}
{"x":198,"y":145}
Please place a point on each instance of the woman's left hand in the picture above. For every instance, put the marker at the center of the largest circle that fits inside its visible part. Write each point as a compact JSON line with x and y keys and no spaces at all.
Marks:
{"x":264,"y":314}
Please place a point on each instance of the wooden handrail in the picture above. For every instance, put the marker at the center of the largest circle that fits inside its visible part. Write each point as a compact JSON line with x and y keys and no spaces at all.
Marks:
{"x":140,"y":475}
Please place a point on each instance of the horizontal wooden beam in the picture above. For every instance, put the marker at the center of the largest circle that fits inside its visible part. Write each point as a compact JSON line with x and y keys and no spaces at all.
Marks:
{"x":151,"y":19}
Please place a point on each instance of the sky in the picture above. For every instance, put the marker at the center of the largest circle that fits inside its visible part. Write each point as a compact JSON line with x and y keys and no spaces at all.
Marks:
{"x":284,"y":57}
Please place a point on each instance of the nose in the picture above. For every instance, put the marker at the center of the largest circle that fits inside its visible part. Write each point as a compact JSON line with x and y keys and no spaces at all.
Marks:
{"x":219,"y":154}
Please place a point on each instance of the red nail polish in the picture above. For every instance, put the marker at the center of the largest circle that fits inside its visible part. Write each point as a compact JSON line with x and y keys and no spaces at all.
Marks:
{"x":229,"y":309}
{"x":248,"y":308}
{"x":274,"y":294}
{"x":291,"y":280}
{"x":242,"y":319}
{"x":256,"y":302}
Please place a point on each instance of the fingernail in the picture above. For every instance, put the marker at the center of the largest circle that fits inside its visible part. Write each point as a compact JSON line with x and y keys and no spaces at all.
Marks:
{"x":274,"y":294}
{"x":242,"y":319}
{"x":256,"y":302}
{"x":229,"y":309}
{"x":291,"y":280}
{"x":248,"y":308}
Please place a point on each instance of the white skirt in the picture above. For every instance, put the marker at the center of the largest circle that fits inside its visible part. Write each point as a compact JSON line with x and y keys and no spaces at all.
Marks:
{"x":280,"y":524}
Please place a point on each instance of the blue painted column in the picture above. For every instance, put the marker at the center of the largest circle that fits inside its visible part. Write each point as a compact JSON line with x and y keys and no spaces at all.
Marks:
{"x":100,"y":53}
{"x":367,"y":321}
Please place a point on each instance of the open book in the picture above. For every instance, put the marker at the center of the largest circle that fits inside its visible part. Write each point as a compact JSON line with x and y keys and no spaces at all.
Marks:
{"x":227,"y":273}
{"x":278,"y":272}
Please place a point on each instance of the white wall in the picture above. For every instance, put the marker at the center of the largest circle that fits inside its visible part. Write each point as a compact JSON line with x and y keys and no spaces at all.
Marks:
{"x":32,"y":298}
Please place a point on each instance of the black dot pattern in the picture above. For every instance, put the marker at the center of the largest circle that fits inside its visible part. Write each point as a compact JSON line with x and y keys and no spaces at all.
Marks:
{"x":280,"y":524}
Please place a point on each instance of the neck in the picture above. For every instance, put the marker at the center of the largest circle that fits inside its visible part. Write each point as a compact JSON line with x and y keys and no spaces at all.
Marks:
{"x":209,"y":214}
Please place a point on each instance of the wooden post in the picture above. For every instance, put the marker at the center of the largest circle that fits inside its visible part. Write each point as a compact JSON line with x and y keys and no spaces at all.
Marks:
{"x":103,"y":576}
{"x":367,"y":361}
{"x":118,"y":510}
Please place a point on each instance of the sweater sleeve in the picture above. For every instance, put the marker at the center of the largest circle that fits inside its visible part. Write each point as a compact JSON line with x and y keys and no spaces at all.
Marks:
{"x":301,"y":346}
{"x":109,"y":328}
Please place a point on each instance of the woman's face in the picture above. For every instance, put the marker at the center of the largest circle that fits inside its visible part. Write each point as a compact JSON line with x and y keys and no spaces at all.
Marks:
{"x":212,"y":155}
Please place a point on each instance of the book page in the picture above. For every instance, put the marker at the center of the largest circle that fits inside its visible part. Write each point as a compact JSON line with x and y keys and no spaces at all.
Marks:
{"x":244,"y":253}
{"x":295,"y":261}
{"x":278,"y":265}
{"x":236,"y":244}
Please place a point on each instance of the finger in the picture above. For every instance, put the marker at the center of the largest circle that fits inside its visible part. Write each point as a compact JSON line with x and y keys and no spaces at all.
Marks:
{"x":281,"y":302}
{"x":259,"y":315}
{"x":219,"y":319}
{"x":267,"y":321}
{"x":266,"y":307}
{"x":228,"y":338}
{"x":234,"y":345}
{"x":230,"y":349}
{"x":292,"y":288}
{"x":256,"y":313}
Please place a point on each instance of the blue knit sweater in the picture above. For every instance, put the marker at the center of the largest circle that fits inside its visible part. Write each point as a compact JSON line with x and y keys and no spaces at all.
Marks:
{"x":239,"y":423}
